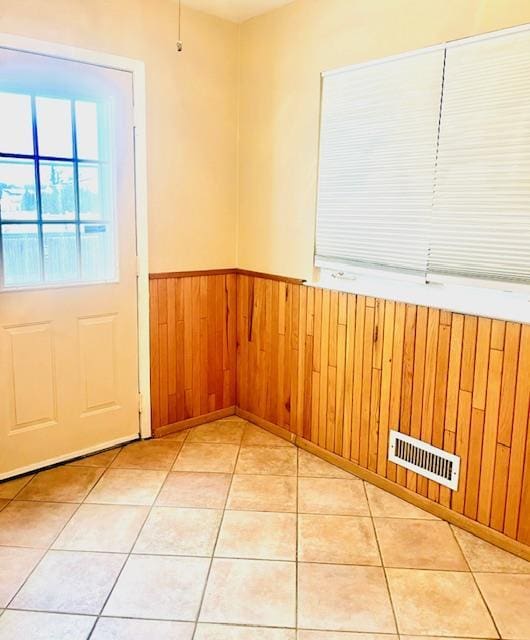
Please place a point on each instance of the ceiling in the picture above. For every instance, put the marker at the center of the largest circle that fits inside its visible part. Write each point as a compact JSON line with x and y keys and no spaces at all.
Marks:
{"x":235,"y":10}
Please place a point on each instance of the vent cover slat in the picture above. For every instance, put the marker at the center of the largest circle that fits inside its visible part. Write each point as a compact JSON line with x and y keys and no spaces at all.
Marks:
{"x":426,"y":460}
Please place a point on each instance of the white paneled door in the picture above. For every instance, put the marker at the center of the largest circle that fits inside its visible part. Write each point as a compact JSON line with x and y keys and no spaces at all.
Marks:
{"x":68,"y":288}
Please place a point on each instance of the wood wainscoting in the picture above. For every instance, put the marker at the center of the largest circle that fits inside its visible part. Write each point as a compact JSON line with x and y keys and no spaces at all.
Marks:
{"x":193,"y":348}
{"x":341,"y":370}
{"x":336,"y":371}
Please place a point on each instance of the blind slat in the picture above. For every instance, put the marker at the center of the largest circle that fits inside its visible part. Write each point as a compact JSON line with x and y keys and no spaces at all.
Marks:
{"x":406,"y":186}
{"x":377,"y":155}
{"x":480,"y":225}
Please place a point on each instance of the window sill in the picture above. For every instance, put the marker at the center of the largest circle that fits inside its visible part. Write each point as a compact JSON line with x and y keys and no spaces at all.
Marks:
{"x":471,"y":300}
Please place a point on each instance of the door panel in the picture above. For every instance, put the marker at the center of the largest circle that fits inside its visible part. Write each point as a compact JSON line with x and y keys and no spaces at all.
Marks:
{"x":33,"y":398}
{"x":68,"y":332}
{"x":97,"y":360}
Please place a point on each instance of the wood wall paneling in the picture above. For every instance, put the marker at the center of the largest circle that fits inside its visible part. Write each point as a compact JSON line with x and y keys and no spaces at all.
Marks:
{"x":339,"y":371}
{"x":342,"y":370}
{"x":193,"y":348}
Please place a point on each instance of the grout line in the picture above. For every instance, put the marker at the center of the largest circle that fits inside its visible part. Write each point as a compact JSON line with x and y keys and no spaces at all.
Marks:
{"x":237,"y":625}
{"x":48,"y":548}
{"x":214,"y":548}
{"x":297,"y":569}
{"x":212,"y":557}
{"x":382,"y":561}
{"x":130,"y":553}
{"x":56,"y":613}
{"x":494,"y":622}
{"x":260,"y":558}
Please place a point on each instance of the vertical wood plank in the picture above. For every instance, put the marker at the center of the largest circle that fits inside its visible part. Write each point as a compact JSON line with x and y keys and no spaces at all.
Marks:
{"x":440,"y":393}
{"x":339,"y":392}
{"x":349,"y":374}
{"x":516,"y":519}
{"x":360,"y":309}
{"x":427,"y":412}
{"x":407,"y":380}
{"x":172,"y":348}
{"x":163,"y":389}
{"x":386,"y":386}
{"x":455,"y":364}
{"x":366,"y":385}
{"x":417,"y":384}
{"x":342,"y":370}
{"x":489,"y":448}
{"x":324,"y":369}
{"x":397,"y":376}
{"x":509,"y":382}
{"x":462,"y":447}
{"x":154,"y":356}
{"x":301,"y":365}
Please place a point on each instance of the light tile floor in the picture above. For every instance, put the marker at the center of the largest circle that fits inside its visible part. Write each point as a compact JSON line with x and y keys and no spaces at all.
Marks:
{"x":225,"y":532}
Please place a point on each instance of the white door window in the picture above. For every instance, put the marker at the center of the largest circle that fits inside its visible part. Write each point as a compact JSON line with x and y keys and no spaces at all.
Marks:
{"x":56,"y":207}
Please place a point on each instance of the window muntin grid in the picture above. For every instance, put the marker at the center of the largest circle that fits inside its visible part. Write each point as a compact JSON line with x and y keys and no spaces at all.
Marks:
{"x":56,"y":218}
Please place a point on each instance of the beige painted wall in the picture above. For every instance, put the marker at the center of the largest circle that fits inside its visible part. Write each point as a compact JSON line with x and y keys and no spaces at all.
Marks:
{"x":193,"y":108}
{"x":191,"y":119}
{"x":282,"y":55}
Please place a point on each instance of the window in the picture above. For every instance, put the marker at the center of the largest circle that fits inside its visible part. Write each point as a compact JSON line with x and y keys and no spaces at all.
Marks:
{"x":425,"y":165}
{"x":56,"y":221}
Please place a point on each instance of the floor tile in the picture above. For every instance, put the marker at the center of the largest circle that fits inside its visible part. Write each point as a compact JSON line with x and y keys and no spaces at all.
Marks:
{"x":62,"y":484}
{"x":251,"y":594}
{"x":386,"y":505}
{"x":148,"y":454}
{"x":229,"y":632}
{"x":508,"y":599}
{"x":29,"y":625}
{"x":33,"y":524}
{"x":254,"y":436}
{"x":127,"y":486}
{"x":278,"y":461}
{"x":344,"y":635}
{"x":185,"y":532}
{"x":254,"y":592}
{"x":10,"y":488}
{"x":217,"y":432}
{"x":70,"y":582}
{"x":201,"y":456}
{"x":443,"y":603}
{"x":343,"y":598}
{"x":16,"y":564}
{"x":418,"y":544}
{"x":402,"y":637}
{"x":332,"y":496}
{"x":178,"y":436}
{"x":263,"y":493}
{"x":124,"y":629}
{"x":102,"y":527}
{"x":159,"y":587}
{"x":485,"y":557}
{"x":103,"y":459}
{"x":252,"y":534}
{"x":199,"y":490}
{"x":337,"y":539}
{"x":313,"y":467}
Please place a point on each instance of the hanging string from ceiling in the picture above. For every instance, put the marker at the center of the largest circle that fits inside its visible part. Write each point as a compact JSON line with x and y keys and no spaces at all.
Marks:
{"x":179,"y":41}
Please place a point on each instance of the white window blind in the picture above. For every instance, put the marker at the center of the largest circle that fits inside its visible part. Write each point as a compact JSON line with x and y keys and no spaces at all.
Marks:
{"x":377,"y":155}
{"x":481,"y":214}
{"x":425,"y":163}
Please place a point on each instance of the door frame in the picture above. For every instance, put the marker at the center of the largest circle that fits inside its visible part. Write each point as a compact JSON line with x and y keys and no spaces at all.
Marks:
{"x":137,"y":70}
